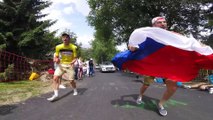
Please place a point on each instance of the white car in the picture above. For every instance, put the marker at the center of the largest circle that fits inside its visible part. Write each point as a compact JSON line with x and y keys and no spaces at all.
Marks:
{"x":107,"y":67}
{"x":97,"y":66}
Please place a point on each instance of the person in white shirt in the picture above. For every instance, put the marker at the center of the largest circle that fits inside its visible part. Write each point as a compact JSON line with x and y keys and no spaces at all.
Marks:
{"x":80,"y":69}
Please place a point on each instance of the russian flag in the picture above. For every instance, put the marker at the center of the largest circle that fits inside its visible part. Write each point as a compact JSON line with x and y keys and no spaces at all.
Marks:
{"x":162,"y":53}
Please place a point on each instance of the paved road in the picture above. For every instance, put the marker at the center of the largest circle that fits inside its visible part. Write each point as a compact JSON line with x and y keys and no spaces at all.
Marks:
{"x":111,"y":96}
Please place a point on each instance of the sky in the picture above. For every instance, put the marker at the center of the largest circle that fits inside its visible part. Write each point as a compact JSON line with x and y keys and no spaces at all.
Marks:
{"x":71,"y":15}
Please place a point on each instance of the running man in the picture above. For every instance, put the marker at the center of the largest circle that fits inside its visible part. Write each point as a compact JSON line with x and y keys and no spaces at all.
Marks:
{"x":171,"y":85}
{"x":68,"y":55}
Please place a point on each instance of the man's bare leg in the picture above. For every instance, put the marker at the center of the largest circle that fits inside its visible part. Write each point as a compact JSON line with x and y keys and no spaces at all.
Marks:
{"x":56,"y":83}
{"x":147,"y":81}
{"x":73,"y":84}
{"x":171,"y":89}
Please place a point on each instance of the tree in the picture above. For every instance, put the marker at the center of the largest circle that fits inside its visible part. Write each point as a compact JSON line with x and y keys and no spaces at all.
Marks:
{"x":21,"y":29}
{"x":210,"y":24}
{"x":103,"y":46}
{"x":103,"y":49}
{"x":123,"y":16}
{"x":86,"y":53}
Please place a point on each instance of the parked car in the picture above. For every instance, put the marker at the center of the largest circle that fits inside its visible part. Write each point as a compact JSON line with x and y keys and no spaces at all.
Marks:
{"x":97,"y":66}
{"x":107,"y":67}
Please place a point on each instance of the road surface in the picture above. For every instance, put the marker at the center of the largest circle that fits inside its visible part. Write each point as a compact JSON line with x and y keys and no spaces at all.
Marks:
{"x":111,"y":96}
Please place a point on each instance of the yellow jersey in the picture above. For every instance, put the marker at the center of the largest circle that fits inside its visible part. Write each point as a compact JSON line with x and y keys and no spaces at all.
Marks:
{"x":67,"y":53}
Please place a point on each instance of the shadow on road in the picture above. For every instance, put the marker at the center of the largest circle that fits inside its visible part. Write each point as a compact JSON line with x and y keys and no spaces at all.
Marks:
{"x":140,"y":81}
{"x":7,"y":109}
{"x":129,"y":102}
{"x":80,"y":92}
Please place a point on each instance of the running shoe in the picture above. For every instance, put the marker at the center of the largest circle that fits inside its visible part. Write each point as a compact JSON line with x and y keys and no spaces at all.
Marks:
{"x":62,"y":86}
{"x":139,"y":100}
{"x":211,"y":90}
{"x":75,"y":92}
{"x":162,"y":111}
{"x":54,"y":97}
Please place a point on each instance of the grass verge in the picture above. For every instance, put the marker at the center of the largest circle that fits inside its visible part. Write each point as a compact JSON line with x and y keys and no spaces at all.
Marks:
{"x":13,"y":92}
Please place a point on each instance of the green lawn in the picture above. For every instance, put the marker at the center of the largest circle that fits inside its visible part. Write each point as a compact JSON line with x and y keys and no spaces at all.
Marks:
{"x":13,"y":92}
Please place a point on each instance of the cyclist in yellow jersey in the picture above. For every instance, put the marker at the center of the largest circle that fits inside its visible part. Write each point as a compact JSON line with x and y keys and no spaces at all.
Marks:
{"x":68,"y":55}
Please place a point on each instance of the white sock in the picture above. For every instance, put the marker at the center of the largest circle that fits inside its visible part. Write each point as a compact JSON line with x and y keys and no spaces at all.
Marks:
{"x":75,"y":90}
{"x":161,"y":106}
{"x":56,"y":92}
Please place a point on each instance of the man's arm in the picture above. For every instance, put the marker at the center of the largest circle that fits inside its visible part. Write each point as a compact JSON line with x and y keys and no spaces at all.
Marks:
{"x":56,"y":55}
{"x":73,"y":61}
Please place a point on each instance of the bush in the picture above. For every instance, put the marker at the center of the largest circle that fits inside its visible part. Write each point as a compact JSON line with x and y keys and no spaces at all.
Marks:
{"x":8,"y":73}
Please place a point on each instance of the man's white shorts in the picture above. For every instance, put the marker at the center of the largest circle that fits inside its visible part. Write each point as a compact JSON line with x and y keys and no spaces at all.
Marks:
{"x":69,"y":70}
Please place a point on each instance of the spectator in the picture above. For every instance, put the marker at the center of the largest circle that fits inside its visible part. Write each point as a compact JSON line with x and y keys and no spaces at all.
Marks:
{"x":91,"y":67}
